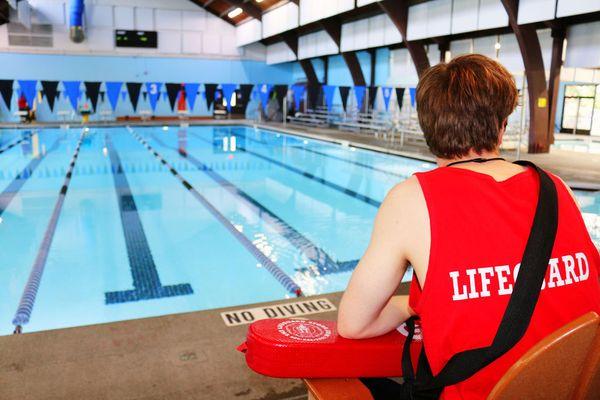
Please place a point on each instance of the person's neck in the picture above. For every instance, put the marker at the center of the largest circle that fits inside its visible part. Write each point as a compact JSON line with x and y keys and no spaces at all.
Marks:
{"x":442,"y":162}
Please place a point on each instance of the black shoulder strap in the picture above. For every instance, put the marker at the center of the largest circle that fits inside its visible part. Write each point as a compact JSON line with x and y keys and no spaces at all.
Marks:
{"x":519,"y":311}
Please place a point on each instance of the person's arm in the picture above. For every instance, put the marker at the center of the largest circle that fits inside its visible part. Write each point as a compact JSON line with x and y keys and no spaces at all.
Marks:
{"x":368,"y":307}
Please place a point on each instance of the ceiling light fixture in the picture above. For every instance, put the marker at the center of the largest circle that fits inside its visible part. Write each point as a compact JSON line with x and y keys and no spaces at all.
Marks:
{"x":234,"y":13}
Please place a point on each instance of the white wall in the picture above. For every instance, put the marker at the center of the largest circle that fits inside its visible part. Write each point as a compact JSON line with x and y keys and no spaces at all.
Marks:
{"x":402,"y":69}
{"x":443,"y":17}
{"x":509,"y":53}
{"x":316,"y":44}
{"x":465,"y":15}
{"x":280,"y":20}
{"x":184,"y":29}
{"x":248,"y":32}
{"x":574,"y":7}
{"x":314,"y":10}
{"x":369,"y":32}
{"x":360,"y":3}
{"x":279,"y":52}
{"x":491,"y":15}
{"x":536,"y":10}
{"x":429,"y":19}
{"x":583,"y":46}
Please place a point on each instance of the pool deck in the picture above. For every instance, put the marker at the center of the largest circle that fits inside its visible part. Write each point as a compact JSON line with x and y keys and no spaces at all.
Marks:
{"x":183,"y":356}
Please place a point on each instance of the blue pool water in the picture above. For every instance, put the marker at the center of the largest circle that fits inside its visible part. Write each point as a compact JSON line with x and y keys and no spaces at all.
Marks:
{"x":156,"y":220}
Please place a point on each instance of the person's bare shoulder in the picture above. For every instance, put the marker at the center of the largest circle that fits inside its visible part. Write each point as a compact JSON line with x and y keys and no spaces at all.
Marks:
{"x":403,"y":207}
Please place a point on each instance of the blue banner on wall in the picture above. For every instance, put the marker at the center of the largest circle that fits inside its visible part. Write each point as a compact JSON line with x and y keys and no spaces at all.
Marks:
{"x":112,"y":91}
{"x":387,"y":95}
{"x":359,"y":92}
{"x":264,"y":91}
{"x":298,"y":91}
{"x":328,"y":91}
{"x":73,"y":92}
{"x":228,"y":89}
{"x":29,"y":90}
{"x":153,"y":89}
{"x":191,"y":92}
{"x":413,"y":96}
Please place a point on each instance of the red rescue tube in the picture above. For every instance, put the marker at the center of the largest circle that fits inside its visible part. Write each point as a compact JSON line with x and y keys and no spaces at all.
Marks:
{"x":291,"y":348}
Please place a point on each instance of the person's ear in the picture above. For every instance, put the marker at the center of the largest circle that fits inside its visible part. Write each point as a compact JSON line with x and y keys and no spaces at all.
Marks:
{"x":502,"y":131}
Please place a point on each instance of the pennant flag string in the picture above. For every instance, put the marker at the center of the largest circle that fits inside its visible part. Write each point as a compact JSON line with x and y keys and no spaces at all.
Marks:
{"x":298,"y":91}
{"x":72,"y":90}
{"x":387,"y":95}
{"x":191,"y":92}
{"x":153,"y":90}
{"x":328,"y":91}
{"x":112,"y":91}
{"x":228,"y":89}
{"x":28,"y":88}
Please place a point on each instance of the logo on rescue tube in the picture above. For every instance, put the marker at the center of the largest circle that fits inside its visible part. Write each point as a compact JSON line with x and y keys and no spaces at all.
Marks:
{"x":305,"y":331}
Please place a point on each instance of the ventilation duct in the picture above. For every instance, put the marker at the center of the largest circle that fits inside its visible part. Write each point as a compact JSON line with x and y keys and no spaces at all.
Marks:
{"x":76,"y":21}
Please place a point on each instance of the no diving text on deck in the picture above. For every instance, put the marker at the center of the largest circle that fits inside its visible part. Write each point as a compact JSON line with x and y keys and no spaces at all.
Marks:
{"x":284,"y":310}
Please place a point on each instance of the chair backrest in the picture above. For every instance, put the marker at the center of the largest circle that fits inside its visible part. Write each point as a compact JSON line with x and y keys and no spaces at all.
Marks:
{"x":558,"y":366}
{"x":589,"y":383}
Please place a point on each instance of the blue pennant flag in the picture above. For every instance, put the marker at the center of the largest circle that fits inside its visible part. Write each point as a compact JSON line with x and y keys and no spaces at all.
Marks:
{"x":264,"y":91}
{"x":359,"y":92}
{"x":328,"y":91}
{"x":387,"y":95}
{"x":123,"y":95}
{"x":29,"y":90}
{"x":228,"y":89}
{"x":72,"y":91}
{"x":112,"y":91}
{"x":153,"y":89}
{"x":413,"y":95}
{"x":298,"y":91}
{"x":191,"y":92}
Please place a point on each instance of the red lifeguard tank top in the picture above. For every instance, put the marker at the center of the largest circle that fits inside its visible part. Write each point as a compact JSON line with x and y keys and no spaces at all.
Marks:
{"x":479,"y":228}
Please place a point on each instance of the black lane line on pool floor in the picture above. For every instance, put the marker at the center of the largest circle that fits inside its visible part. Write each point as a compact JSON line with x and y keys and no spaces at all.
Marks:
{"x":9,"y":193}
{"x":315,"y":254}
{"x":15,"y":143}
{"x":146,"y":281}
{"x":23,"y":313}
{"x":287,"y":282}
{"x":349,"y":192}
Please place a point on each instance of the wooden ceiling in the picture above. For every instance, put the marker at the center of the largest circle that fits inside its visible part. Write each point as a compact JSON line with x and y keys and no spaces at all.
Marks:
{"x":251,"y":8}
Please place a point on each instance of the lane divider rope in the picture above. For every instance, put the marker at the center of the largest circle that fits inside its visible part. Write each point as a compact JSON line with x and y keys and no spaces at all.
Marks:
{"x":287,"y":282}
{"x":15,"y":143}
{"x":23,"y":313}
{"x":306,"y":174}
{"x":317,"y":256}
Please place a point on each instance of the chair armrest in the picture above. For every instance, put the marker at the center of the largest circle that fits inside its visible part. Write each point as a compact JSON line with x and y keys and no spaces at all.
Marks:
{"x":337,"y":389}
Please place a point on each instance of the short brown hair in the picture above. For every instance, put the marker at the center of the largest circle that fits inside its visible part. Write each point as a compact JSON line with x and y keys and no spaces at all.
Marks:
{"x":462,"y":105}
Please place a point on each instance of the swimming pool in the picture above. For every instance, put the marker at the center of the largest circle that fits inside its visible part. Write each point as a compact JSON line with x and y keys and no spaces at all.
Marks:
{"x":108,"y":224}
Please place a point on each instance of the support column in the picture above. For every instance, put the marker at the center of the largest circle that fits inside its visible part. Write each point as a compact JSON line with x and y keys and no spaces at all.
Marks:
{"x":531,"y":52}
{"x":397,"y":10}
{"x":558,"y":39}
{"x":373,"y":54}
{"x":334,"y":30}
{"x":444,"y":47}
{"x":291,"y":40}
